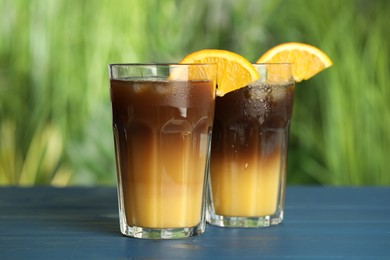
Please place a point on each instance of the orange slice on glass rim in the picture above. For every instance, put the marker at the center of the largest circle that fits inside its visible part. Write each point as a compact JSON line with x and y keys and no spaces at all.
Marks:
{"x":234,"y":71}
{"x":306,"y":59}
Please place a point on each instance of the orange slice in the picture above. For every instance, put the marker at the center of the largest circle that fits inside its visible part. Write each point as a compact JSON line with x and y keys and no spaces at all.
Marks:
{"x":234,"y":71}
{"x":307,"y":60}
{"x":193,"y":71}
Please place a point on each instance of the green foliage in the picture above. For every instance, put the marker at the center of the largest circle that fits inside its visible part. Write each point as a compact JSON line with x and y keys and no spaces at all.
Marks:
{"x":346,"y":141}
{"x":55,"y":115}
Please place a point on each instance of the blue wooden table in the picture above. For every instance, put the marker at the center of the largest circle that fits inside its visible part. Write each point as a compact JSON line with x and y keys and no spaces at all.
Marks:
{"x":82,"y":223}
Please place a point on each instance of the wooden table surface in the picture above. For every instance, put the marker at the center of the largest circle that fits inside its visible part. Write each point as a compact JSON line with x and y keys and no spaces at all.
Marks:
{"x":82,"y":223}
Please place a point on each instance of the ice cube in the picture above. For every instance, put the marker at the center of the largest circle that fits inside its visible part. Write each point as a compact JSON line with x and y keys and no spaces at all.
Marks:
{"x":139,"y":87}
{"x":258,"y":91}
{"x":278,"y":93}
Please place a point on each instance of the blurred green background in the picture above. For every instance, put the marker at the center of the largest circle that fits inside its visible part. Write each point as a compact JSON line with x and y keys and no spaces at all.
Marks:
{"x":55,"y":115}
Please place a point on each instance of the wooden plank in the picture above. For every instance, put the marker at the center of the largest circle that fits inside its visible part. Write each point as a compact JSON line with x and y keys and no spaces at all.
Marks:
{"x":55,"y":223}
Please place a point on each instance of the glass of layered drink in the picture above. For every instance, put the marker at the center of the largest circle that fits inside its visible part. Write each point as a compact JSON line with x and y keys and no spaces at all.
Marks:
{"x":249,"y":150}
{"x":162,"y":122}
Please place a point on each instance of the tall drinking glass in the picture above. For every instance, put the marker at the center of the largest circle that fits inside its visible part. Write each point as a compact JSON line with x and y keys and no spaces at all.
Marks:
{"x":249,"y":151}
{"x":162,"y":122}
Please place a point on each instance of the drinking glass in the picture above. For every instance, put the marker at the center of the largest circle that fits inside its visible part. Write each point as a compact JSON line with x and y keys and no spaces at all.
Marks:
{"x":162,"y":122}
{"x":249,"y":151}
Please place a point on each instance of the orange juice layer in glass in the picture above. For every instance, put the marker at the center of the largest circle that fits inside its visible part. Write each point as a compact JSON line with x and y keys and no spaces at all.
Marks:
{"x":161,"y":132}
{"x":249,"y":146}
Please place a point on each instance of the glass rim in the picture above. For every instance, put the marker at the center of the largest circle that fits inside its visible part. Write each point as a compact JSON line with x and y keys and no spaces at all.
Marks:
{"x":162,"y":64}
{"x":273,"y":63}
